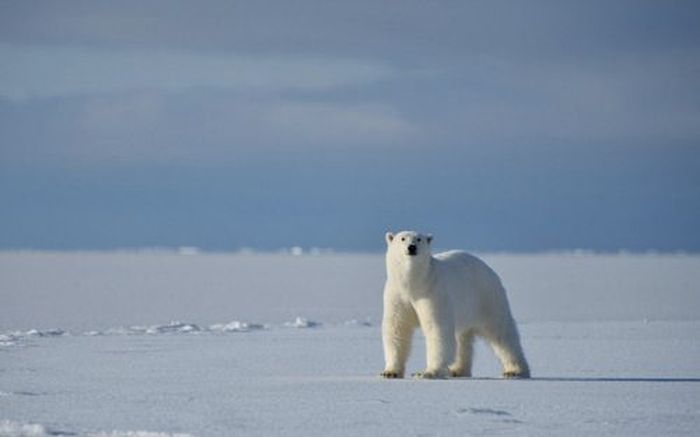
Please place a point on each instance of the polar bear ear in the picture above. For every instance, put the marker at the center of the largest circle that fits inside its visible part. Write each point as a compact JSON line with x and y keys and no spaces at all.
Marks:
{"x":389,"y":237}
{"x":429,"y":237}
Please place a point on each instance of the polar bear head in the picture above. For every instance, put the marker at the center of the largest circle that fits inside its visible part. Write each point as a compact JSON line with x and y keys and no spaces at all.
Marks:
{"x":409,"y":244}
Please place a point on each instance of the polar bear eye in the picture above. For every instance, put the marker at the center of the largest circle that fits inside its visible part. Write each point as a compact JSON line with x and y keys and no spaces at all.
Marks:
{"x":419,"y":240}
{"x":403,"y":238}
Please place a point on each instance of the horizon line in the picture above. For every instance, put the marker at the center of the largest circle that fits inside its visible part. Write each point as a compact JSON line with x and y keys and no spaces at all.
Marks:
{"x":190,"y":250}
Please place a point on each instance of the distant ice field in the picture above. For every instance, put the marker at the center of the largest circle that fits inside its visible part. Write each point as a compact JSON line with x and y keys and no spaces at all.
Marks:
{"x":98,"y":291}
{"x":161,"y":344}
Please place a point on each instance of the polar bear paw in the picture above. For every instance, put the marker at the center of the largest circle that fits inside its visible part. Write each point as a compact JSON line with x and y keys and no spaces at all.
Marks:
{"x":391,"y":374}
{"x":431,"y":374}
{"x":460,"y":372}
{"x":514,"y":374}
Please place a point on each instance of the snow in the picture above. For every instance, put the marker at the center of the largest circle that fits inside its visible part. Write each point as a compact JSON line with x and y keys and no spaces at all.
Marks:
{"x":136,"y":434}
{"x":235,"y":326}
{"x":160,"y":344}
{"x":14,"y":429}
{"x":10,"y":428}
{"x":301,"y":323}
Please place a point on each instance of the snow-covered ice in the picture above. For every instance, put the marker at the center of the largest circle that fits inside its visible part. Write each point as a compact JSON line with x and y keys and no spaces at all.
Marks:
{"x":91,"y":345}
{"x":235,"y":326}
{"x":10,"y":428}
{"x":301,"y":322}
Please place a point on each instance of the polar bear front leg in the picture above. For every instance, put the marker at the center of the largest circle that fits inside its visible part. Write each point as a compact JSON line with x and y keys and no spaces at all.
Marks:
{"x":437,"y":322}
{"x":398,"y":324}
{"x":462,"y":367}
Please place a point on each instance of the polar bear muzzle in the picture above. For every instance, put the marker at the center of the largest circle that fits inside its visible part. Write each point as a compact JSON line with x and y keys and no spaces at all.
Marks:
{"x":412,"y":250}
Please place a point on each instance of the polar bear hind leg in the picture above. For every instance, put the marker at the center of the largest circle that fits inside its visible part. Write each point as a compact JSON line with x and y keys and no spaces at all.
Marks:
{"x":506,"y":346}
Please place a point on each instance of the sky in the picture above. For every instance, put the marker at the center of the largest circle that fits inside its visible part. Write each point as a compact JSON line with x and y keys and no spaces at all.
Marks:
{"x":494,"y":125}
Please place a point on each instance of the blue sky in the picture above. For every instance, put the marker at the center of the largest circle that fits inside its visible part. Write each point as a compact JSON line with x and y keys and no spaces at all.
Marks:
{"x":495,"y":125}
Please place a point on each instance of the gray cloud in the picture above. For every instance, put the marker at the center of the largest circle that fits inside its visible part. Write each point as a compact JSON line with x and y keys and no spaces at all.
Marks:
{"x":324,"y":123}
{"x":49,"y":71}
{"x":629,"y":100}
{"x":531,"y":124}
{"x":413,"y":31}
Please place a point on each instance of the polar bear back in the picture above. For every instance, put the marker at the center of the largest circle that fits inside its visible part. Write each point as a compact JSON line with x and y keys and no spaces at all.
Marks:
{"x":475,"y":290}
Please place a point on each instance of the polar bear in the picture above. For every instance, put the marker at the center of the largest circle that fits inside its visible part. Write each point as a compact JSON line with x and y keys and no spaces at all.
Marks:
{"x":453,"y":297}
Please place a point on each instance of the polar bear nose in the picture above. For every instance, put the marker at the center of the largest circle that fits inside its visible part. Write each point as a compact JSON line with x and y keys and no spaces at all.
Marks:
{"x":412,"y":249}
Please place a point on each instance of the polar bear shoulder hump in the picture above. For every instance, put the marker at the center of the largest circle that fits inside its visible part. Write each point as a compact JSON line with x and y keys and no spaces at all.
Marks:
{"x":460,"y":256}
{"x":459,"y":259}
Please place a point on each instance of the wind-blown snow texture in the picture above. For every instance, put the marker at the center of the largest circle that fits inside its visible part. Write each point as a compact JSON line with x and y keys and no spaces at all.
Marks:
{"x":290,"y":345}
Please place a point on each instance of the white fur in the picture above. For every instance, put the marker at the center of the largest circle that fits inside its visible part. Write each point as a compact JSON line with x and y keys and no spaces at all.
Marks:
{"x":453,"y":297}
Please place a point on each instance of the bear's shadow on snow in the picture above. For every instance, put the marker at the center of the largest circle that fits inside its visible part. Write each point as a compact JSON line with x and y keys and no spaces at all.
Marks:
{"x":593,"y":379}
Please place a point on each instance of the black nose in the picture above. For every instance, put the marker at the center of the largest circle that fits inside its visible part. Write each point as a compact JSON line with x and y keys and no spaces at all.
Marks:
{"x":412,"y":249}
